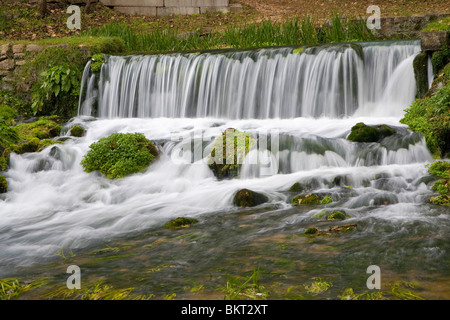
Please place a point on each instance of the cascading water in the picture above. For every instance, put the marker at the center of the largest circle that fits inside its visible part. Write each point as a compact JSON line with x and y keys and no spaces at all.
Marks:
{"x":306,"y":102}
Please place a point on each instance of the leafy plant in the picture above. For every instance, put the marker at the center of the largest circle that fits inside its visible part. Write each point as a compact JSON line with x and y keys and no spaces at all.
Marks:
{"x":59,"y":84}
{"x":119,"y":155}
{"x":11,"y":289}
{"x":318,"y":286}
{"x":249,"y":289}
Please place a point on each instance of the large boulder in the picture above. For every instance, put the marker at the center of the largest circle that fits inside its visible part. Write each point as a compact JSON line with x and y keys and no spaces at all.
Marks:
{"x":363,"y":133}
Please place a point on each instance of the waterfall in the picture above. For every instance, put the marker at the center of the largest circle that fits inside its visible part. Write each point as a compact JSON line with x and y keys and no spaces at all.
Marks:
{"x":332,"y":81}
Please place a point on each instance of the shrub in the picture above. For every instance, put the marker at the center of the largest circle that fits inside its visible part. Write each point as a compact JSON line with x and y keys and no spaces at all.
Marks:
{"x":119,"y":155}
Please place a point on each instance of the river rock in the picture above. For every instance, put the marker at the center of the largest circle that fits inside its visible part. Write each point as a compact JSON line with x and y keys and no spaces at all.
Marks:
{"x":248,"y":198}
{"x":364,"y":133}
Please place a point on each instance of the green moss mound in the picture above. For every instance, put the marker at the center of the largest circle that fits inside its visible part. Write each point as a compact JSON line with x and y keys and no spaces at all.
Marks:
{"x":326,"y":200}
{"x":228,"y":153}
{"x":77,"y":131}
{"x":3,"y":184}
{"x":248,"y":198}
{"x":119,"y":155}
{"x":180,"y":222}
{"x":364,"y":133}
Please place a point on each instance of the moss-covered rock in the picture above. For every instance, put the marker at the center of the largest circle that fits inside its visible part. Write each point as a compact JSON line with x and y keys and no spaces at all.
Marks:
{"x":30,"y":145}
{"x":248,"y":198}
{"x":326,"y":200}
{"x":305,"y":200}
{"x":77,"y":131}
{"x":228,"y":153}
{"x":43,"y":128}
{"x":337,"y":215}
{"x":364,"y":133}
{"x":180,"y":222}
{"x":3,"y":184}
{"x":119,"y":155}
{"x":296,"y":187}
{"x":311,"y":231}
{"x":420,"y":65}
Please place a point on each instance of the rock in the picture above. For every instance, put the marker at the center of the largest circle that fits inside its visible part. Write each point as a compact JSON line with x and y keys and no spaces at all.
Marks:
{"x":434,"y":40}
{"x":337,"y":215}
{"x":7,"y":64}
{"x":18,"y":48}
{"x":363,"y":133}
{"x":31,"y":145}
{"x":77,"y":131}
{"x":420,"y":65}
{"x":305,"y":200}
{"x":228,"y":153}
{"x":34,"y":48}
{"x":3,"y":184}
{"x":296,"y":187}
{"x":248,"y":198}
{"x":312,"y":230}
{"x":180,"y":222}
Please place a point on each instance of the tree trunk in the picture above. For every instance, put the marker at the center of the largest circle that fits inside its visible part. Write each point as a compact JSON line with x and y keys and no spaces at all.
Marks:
{"x":43,"y":8}
{"x":88,"y":6}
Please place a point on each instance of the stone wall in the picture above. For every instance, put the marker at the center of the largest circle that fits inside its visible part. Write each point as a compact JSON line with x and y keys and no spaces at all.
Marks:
{"x":12,"y":56}
{"x":405,"y":26}
{"x":161,"y":8}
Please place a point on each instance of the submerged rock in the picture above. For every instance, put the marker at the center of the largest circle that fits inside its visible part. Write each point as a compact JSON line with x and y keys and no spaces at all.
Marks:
{"x":363,"y":133}
{"x":77,"y":131}
{"x":180,"y":222}
{"x":308,"y":199}
{"x":249,"y":198}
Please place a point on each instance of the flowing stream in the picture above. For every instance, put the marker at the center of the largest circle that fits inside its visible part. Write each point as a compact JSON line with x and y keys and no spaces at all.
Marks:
{"x":302,"y":107}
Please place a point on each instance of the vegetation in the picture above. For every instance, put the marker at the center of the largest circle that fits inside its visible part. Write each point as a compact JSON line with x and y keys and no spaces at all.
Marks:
{"x":430,"y":115}
{"x":3,"y":184}
{"x":180,"y":222}
{"x":305,"y":200}
{"x":250,"y":289}
{"x":439,"y":25}
{"x":441,"y":169}
{"x":119,"y":155}
{"x":12,"y":289}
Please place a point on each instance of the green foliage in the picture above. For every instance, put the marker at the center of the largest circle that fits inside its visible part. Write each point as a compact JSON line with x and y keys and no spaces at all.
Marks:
{"x":348,"y":294}
{"x":96,"y":291}
{"x":441,"y":169}
{"x":228,"y":153}
{"x":8,"y":98}
{"x":97,"y":62}
{"x":318,"y":286}
{"x":180,"y":222}
{"x":3,"y":184}
{"x":77,"y":131}
{"x":400,"y":290}
{"x":12,"y":289}
{"x":344,"y":30}
{"x":119,"y":155}
{"x":438,"y":25}
{"x":430,"y":117}
{"x":440,"y":59}
{"x":59,"y":90}
{"x":249,"y":289}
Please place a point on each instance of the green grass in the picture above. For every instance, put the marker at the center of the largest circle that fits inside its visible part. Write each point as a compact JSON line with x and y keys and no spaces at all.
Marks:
{"x":291,"y":32}
{"x":439,"y":25}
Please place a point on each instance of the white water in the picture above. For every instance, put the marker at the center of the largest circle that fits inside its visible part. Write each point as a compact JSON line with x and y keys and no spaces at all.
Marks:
{"x":53,"y":205}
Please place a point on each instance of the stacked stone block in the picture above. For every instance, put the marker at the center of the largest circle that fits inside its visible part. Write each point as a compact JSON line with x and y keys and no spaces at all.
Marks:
{"x":161,"y":8}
